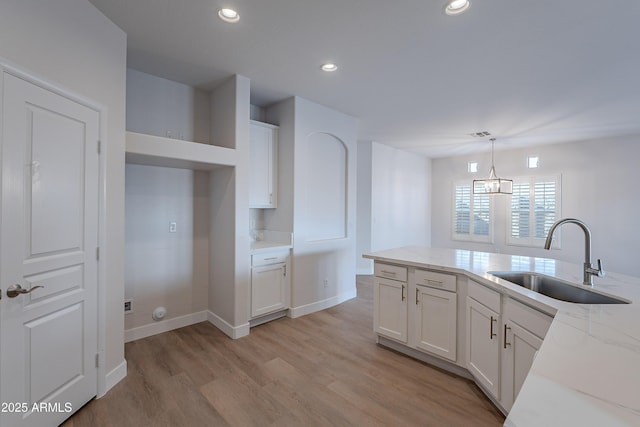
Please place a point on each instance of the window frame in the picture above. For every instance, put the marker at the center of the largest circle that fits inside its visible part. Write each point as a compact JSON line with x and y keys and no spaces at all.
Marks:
{"x":471,"y":236}
{"x":532,"y":241}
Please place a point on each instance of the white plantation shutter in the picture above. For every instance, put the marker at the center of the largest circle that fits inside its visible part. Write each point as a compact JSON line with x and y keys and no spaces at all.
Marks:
{"x":462,"y":209}
{"x":544,"y":195}
{"x":481,"y":211}
{"x":472,"y":214}
{"x":535,"y":206}
{"x":520,"y":208}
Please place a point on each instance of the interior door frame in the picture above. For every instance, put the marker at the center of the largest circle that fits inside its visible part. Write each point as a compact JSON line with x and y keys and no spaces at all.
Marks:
{"x":15,"y":70}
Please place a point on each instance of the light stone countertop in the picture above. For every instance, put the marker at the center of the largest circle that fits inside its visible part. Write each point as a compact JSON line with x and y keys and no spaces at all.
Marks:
{"x":271,"y":240}
{"x":267,"y":246}
{"x":587,"y":372}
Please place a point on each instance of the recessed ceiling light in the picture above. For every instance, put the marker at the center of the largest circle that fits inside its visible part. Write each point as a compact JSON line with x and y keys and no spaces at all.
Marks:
{"x":454,"y":7}
{"x":229,"y":15}
{"x":329,"y":67}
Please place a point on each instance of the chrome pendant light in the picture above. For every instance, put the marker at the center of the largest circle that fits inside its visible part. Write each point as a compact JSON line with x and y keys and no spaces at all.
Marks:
{"x":493,"y":184}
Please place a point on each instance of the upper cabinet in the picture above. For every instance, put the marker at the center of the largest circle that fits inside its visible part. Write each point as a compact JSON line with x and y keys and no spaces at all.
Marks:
{"x":263,"y":146}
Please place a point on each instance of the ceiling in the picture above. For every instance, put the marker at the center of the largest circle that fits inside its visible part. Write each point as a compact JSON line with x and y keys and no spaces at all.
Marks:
{"x":530,"y":72}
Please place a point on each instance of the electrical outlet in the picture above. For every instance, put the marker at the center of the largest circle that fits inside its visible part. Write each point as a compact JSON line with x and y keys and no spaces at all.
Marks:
{"x":326,"y":283}
{"x":173,"y":227}
{"x":128,"y":306}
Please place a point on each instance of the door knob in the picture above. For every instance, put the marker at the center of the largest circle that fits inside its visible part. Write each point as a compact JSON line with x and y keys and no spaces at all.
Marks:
{"x":15,"y":290}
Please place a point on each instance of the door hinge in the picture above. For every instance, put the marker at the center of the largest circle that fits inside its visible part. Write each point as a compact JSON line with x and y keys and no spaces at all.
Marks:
{"x":98,"y":253}
{"x":99,"y":146}
{"x":97,"y":360}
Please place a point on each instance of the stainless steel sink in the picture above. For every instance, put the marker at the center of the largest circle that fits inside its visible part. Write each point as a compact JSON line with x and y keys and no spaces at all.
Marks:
{"x":555,"y":288}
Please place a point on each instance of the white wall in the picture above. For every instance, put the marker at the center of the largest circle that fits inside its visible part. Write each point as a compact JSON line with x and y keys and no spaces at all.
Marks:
{"x":599,"y":186}
{"x":323,"y":254}
{"x":363,"y":208}
{"x":162,"y":268}
{"x":283,"y":115}
{"x":229,"y":256}
{"x":161,"y":107}
{"x":71,"y":44}
{"x":397,"y":186}
{"x":213,"y":272}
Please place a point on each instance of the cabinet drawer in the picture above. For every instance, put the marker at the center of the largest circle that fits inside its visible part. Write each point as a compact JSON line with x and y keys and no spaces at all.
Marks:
{"x":485,"y":296}
{"x":269,"y":258}
{"x":436,"y":280}
{"x":391,"y":271}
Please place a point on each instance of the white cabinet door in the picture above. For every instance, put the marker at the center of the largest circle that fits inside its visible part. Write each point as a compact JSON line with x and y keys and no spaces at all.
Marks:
{"x":483,"y":346}
{"x":436,"y":319}
{"x":390,"y":309}
{"x":268,"y":289}
{"x":519,"y":350}
{"x":523,"y":331}
{"x":263,"y":165}
{"x":49,"y":237}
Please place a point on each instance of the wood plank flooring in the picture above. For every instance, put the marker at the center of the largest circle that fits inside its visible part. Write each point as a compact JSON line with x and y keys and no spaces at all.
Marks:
{"x":323,"y":369}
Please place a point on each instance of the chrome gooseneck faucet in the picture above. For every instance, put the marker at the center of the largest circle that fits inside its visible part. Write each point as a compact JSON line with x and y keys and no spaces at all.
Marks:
{"x":588,"y":271}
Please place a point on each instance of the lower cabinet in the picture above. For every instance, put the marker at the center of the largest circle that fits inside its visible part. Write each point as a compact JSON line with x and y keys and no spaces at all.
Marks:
{"x":269,"y":283}
{"x":390,"y":308}
{"x":419,"y":308}
{"x":503,"y":336}
{"x":436,"y":321}
{"x":429,"y":325}
{"x":483,"y":345}
{"x":523,"y":331}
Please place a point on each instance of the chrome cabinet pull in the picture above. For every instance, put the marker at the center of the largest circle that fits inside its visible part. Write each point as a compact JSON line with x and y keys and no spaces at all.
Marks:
{"x":417,"y":293}
{"x":491,"y":334}
{"x":505,"y":336}
{"x":393,"y":273}
{"x":403,"y":295}
{"x":15,"y":290}
{"x":434,"y":282}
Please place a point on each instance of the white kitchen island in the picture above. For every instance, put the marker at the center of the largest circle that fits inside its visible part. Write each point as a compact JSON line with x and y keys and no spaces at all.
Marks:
{"x":587,"y":371}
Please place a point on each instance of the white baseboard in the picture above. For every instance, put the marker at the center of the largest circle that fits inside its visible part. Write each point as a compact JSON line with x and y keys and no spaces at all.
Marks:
{"x":116,"y":375}
{"x":229,"y":330}
{"x":164,"y":326}
{"x":322,"y":305}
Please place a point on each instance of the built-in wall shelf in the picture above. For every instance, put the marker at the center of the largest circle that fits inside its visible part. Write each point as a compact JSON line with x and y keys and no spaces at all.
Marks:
{"x":152,"y":150}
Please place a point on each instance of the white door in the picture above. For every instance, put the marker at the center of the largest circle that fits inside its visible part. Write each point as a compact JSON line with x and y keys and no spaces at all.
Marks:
{"x":518,"y":354}
{"x":262,"y":151}
{"x":48,"y":238}
{"x":436,"y":320}
{"x":483,"y":345}
{"x":390,"y":309}
{"x":268,"y":289}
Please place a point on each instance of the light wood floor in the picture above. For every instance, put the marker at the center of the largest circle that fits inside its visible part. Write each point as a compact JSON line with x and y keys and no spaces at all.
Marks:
{"x":323,"y":369}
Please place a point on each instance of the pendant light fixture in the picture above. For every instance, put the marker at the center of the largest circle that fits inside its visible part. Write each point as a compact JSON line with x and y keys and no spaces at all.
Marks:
{"x":493,"y":184}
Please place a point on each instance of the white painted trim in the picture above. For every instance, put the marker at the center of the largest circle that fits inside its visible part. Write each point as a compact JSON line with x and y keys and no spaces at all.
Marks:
{"x":164,"y":326}
{"x":322,"y":305}
{"x":229,"y":330}
{"x":269,"y":317}
{"x":116,"y":375}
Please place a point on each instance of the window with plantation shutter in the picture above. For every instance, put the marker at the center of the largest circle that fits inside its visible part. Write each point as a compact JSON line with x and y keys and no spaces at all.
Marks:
{"x":535,"y":206}
{"x":472,"y":214}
